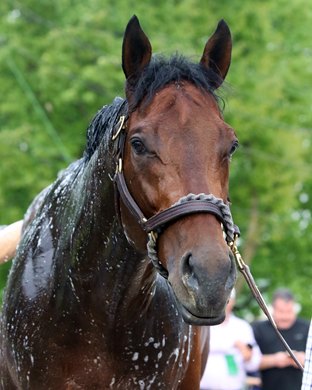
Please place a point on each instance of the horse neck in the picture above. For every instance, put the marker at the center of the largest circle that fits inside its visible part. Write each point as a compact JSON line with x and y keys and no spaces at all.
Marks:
{"x":101,"y":259}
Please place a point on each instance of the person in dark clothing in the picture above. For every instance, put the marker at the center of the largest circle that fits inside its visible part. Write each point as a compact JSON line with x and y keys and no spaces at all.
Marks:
{"x":278,"y":370}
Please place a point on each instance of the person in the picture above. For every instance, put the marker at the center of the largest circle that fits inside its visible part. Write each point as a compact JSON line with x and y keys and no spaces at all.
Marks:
{"x":10,"y":235}
{"x":278,"y":370}
{"x":233,"y":351}
{"x":9,"y":239}
{"x":307,"y":374}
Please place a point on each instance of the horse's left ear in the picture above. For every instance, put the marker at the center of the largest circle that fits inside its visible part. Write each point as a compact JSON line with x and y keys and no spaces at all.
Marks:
{"x":217,"y":52}
{"x":136,"y":49}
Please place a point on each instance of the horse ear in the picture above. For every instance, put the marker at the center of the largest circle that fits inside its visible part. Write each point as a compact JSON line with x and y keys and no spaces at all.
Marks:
{"x":136,"y":49}
{"x":217,"y":52}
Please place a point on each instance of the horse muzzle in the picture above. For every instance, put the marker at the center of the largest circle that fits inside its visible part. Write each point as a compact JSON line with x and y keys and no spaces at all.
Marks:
{"x":202,"y":286}
{"x":193,"y":319}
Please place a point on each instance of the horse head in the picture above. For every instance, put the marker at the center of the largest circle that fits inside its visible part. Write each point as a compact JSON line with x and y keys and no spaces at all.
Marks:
{"x":177,"y":150}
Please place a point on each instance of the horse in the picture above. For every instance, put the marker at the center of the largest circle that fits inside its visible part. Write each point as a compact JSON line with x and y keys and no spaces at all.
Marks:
{"x":125,"y":263}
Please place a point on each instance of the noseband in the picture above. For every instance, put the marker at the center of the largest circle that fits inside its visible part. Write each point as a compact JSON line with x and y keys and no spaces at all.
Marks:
{"x":187,"y":205}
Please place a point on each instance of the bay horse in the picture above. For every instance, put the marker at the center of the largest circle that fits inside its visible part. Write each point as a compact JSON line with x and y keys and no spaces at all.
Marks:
{"x":127,"y":254}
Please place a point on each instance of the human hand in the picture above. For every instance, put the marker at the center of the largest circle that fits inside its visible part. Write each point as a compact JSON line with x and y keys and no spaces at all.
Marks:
{"x":300,"y":356}
{"x":282,"y":359}
{"x":244,"y":349}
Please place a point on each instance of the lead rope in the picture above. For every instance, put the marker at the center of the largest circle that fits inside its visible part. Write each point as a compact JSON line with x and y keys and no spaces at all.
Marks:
{"x":231,"y":237}
{"x":244,"y":269}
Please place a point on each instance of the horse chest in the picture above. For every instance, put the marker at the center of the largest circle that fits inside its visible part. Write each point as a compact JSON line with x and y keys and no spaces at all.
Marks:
{"x":131,"y":357}
{"x":151,"y":362}
{"x":148,"y":366}
{"x":150,"y":357}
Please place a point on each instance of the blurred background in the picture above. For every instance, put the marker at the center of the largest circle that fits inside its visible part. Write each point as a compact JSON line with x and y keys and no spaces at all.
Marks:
{"x":60,"y":62}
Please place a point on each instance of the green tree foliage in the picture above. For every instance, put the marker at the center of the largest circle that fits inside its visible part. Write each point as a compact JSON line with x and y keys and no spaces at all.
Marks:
{"x":60,"y":62}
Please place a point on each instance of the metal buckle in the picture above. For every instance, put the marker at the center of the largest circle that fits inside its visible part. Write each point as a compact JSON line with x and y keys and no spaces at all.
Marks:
{"x":121,"y":126}
{"x":153,"y":236}
{"x":238,"y":257}
{"x":118,"y":166}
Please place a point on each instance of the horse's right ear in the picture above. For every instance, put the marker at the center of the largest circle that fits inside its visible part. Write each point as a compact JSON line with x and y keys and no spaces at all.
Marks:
{"x":136,"y":50}
{"x":217,"y":52}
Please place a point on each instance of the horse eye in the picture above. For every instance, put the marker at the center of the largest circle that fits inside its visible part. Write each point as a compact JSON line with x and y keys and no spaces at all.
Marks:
{"x":138,"y":146}
{"x":233,"y":148}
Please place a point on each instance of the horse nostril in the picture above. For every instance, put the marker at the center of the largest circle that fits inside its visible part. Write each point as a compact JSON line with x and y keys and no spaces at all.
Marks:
{"x":189,"y":278}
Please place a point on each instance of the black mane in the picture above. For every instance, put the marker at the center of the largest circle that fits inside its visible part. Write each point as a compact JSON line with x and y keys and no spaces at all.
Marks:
{"x":104,"y":121}
{"x":160,"y":72}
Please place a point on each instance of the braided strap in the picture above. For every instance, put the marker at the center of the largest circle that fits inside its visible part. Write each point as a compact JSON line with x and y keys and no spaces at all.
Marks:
{"x":152,"y":254}
{"x":227,"y":222}
{"x":224,"y":208}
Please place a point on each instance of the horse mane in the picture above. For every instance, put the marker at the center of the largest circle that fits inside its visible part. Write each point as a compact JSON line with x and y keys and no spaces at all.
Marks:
{"x":103,"y":122}
{"x":162,"y":71}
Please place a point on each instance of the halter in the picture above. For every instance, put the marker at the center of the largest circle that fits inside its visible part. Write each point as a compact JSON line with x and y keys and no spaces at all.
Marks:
{"x":187,"y":205}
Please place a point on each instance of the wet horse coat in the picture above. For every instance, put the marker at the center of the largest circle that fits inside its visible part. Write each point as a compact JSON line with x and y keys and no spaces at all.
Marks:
{"x":85,"y":308}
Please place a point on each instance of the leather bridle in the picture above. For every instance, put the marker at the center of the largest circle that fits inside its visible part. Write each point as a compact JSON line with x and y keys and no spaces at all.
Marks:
{"x":187,"y":205}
